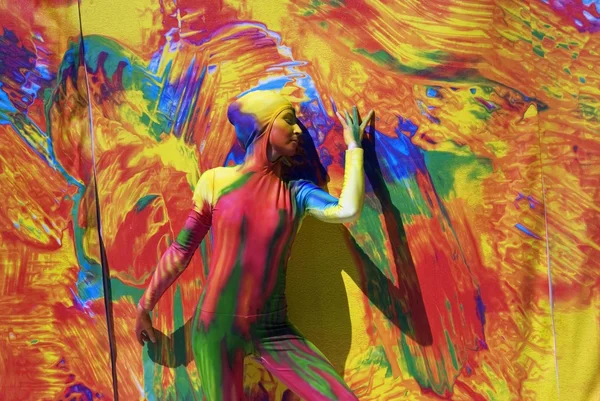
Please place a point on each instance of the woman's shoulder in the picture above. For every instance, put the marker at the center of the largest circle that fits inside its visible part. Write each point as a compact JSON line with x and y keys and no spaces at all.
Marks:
{"x":219,"y":179}
{"x":302,"y":184}
{"x":302,"y":188}
{"x":224,"y":173}
{"x":217,"y":173}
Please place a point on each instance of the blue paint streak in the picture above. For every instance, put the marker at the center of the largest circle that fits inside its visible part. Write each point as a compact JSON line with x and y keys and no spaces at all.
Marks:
{"x":189,"y":98}
{"x":432,"y":92}
{"x":272,"y":84}
{"x":480,"y":308}
{"x":81,"y":390}
{"x":6,"y":106}
{"x":526,"y":231}
{"x":406,"y":126}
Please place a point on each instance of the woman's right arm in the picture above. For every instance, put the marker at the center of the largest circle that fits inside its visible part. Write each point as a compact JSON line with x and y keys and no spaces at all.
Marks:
{"x":178,"y":256}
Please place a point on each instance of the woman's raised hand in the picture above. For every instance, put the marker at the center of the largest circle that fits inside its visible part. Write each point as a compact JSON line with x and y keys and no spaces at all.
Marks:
{"x":354,"y":128}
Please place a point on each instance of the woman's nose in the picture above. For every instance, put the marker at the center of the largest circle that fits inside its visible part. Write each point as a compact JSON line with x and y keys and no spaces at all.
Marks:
{"x":297,"y":129}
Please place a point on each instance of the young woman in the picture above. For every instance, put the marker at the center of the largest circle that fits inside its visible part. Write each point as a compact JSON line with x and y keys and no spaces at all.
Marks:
{"x":254,"y":215}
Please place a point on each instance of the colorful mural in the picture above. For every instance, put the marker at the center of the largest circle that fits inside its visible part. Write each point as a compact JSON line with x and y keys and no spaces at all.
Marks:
{"x":472,"y":273}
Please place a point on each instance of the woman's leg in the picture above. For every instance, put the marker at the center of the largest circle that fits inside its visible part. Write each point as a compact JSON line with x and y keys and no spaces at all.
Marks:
{"x":219,"y":353}
{"x":297,"y":363}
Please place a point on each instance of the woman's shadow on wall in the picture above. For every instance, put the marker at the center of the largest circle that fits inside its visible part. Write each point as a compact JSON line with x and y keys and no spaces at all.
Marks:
{"x":316,"y":291}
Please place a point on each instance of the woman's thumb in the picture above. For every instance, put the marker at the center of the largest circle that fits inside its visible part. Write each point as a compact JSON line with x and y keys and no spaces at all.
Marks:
{"x":151,"y":335}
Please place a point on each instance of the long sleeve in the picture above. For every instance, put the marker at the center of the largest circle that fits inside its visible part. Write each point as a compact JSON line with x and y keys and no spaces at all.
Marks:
{"x":178,"y":256}
{"x":320,"y":204}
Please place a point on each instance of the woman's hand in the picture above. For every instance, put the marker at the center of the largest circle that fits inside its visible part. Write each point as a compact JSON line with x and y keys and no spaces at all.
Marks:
{"x":354,"y":129}
{"x":143,"y":327}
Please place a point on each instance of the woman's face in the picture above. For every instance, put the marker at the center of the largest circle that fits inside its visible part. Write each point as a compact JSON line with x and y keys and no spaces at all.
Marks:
{"x":285,"y":135}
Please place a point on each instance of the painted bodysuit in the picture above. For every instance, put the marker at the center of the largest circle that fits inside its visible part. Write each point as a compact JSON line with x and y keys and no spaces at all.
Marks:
{"x":254,"y":216}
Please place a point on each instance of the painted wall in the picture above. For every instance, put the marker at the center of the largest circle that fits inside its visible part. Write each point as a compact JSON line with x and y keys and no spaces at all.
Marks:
{"x":472,"y":273}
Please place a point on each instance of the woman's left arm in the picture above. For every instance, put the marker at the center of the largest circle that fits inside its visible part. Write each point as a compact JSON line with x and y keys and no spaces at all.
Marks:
{"x":318,"y":203}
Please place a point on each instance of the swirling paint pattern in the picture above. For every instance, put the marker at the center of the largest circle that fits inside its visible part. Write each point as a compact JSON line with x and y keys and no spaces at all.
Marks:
{"x":474,"y":270}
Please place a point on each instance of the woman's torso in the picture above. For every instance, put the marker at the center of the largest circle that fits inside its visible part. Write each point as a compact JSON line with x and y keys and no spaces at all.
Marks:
{"x":254,"y":222}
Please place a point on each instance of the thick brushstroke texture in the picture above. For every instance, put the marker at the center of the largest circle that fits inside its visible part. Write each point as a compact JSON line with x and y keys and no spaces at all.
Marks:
{"x":51,"y":332}
{"x":476,"y":102}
